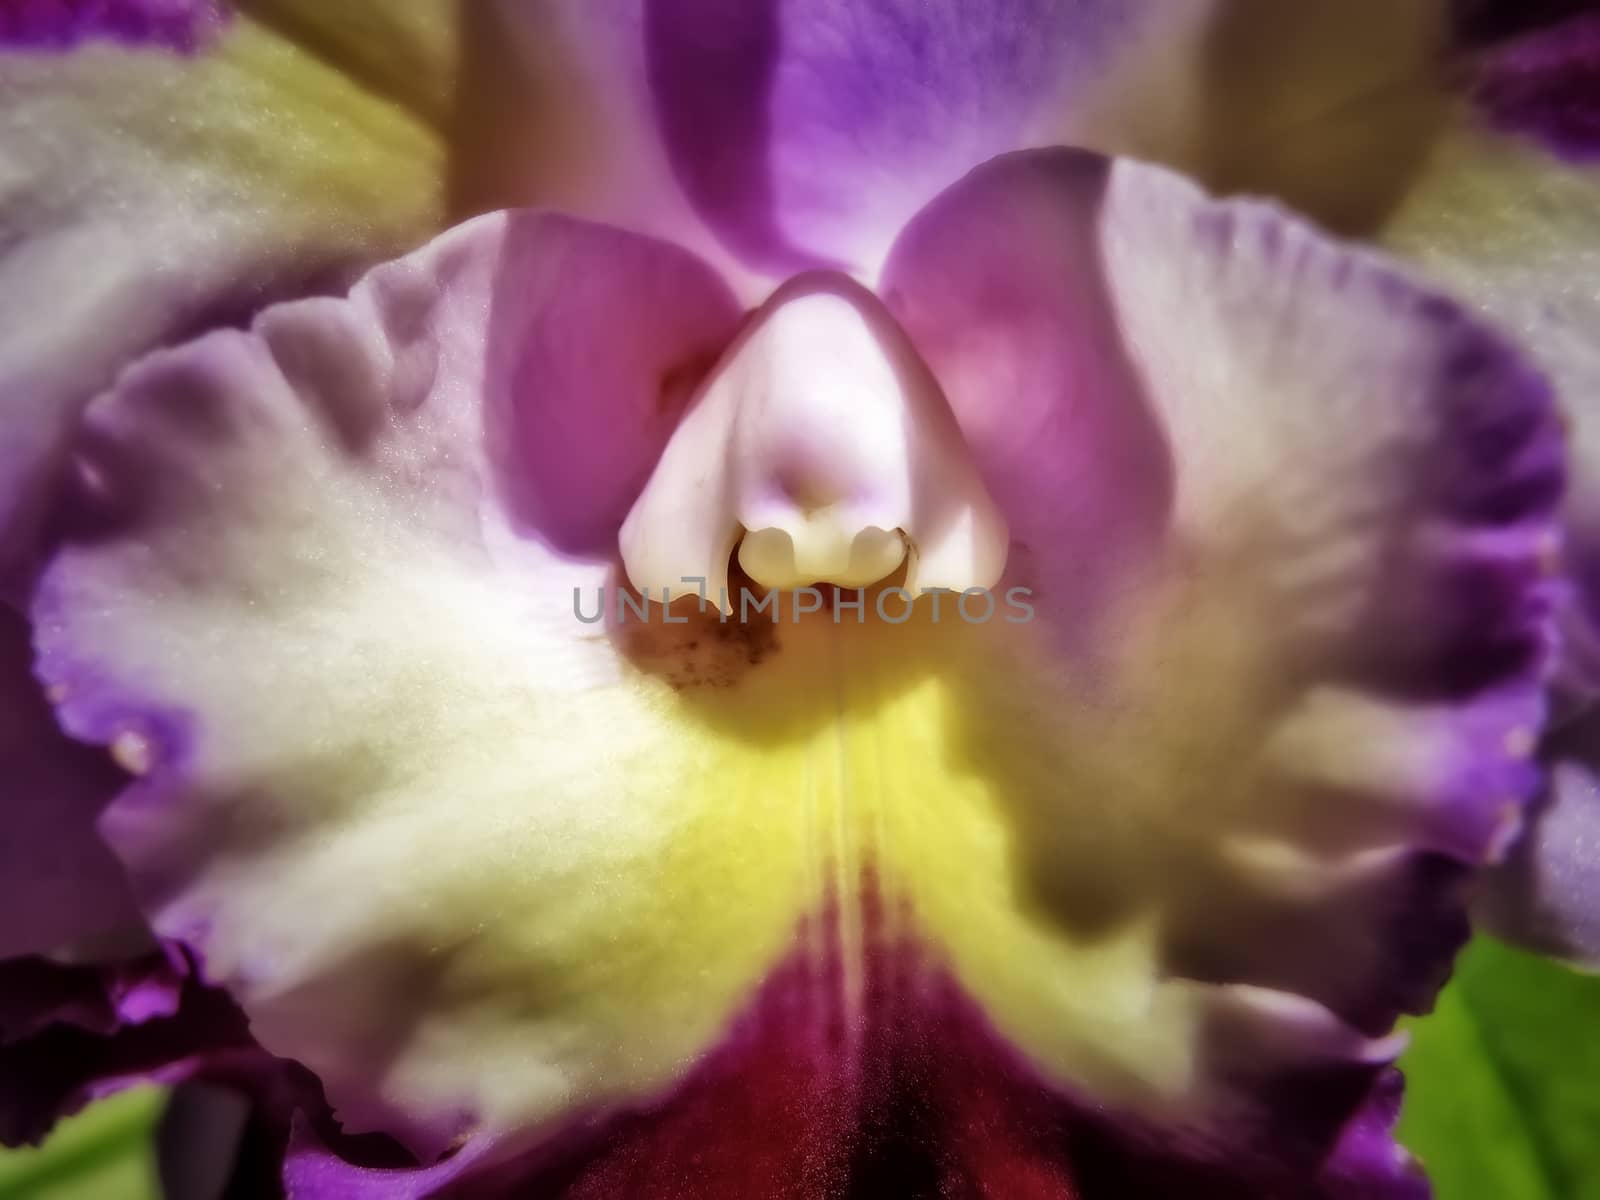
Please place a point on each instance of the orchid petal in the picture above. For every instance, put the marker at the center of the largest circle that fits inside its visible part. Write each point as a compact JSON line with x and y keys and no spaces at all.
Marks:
{"x":1480,"y":22}
{"x":1001,"y":283}
{"x":1514,"y":227}
{"x":805,"y":133}
{"x":1507,"y":212}
{"x":59,"y":884}
{"x":1545,"y":87}
{"x":175,"y":24}
{"x":1547,"y":894}
{"x":313,"y":1171}
{"x":1043,"y":291}
{"x":320,"y":416}
{"x":583,"y":138}
{"x":808,"y":132}
{"x":145,"y":192}
{"x":593,"y":901}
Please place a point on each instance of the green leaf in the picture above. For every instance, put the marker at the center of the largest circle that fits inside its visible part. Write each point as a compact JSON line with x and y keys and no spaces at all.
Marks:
{"x":107,"y":1152}
{"x":1503,"y":1096}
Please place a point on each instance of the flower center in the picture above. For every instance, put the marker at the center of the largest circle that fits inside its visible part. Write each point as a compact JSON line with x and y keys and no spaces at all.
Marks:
{"x":822,"y":448}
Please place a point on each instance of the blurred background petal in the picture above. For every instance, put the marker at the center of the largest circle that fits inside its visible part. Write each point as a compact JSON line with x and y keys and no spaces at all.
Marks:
{"x":146,"y":193}
{"x":1546,"y":896}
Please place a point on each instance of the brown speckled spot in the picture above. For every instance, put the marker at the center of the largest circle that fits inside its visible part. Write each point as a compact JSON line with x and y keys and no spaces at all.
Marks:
{"x":707,"y":651}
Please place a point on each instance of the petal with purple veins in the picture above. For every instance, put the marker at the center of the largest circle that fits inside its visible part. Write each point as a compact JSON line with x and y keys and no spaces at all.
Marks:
{"x":1506,"y":211}
{"x":1513,"y":224}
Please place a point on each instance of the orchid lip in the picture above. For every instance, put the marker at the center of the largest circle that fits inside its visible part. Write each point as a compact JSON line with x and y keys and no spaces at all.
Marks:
{"x":824,"y":451}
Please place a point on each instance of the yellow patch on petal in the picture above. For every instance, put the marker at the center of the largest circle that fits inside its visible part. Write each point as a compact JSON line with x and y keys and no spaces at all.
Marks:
{"x":1024,"y":816}
{"x":256,"y":138}
{"x":405,"y":52}
{"x":344,"y":151}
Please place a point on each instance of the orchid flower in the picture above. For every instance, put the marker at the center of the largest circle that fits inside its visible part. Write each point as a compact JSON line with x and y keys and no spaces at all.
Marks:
{"x":1156,"y":593}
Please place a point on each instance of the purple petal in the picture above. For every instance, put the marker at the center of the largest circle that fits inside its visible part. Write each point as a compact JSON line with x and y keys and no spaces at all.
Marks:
{"x":971,"y":1118}
{"x":570,"y":470}
{"x":1547,"y":894}
{"x":1482,"y":21}
{"x":1044,"y":292}
{"x":59,"y":883}
{"x":1547,"y":87}
{"x":39,"y":994}
{"x":1506,"y":213}
{"x":313,"y":1171}
{"x":70,"y":1035}
{"x":180,"y":25}
{"x":931,"y":1098}
{"x":806,"y":132}
{"x":1001,"y":285}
